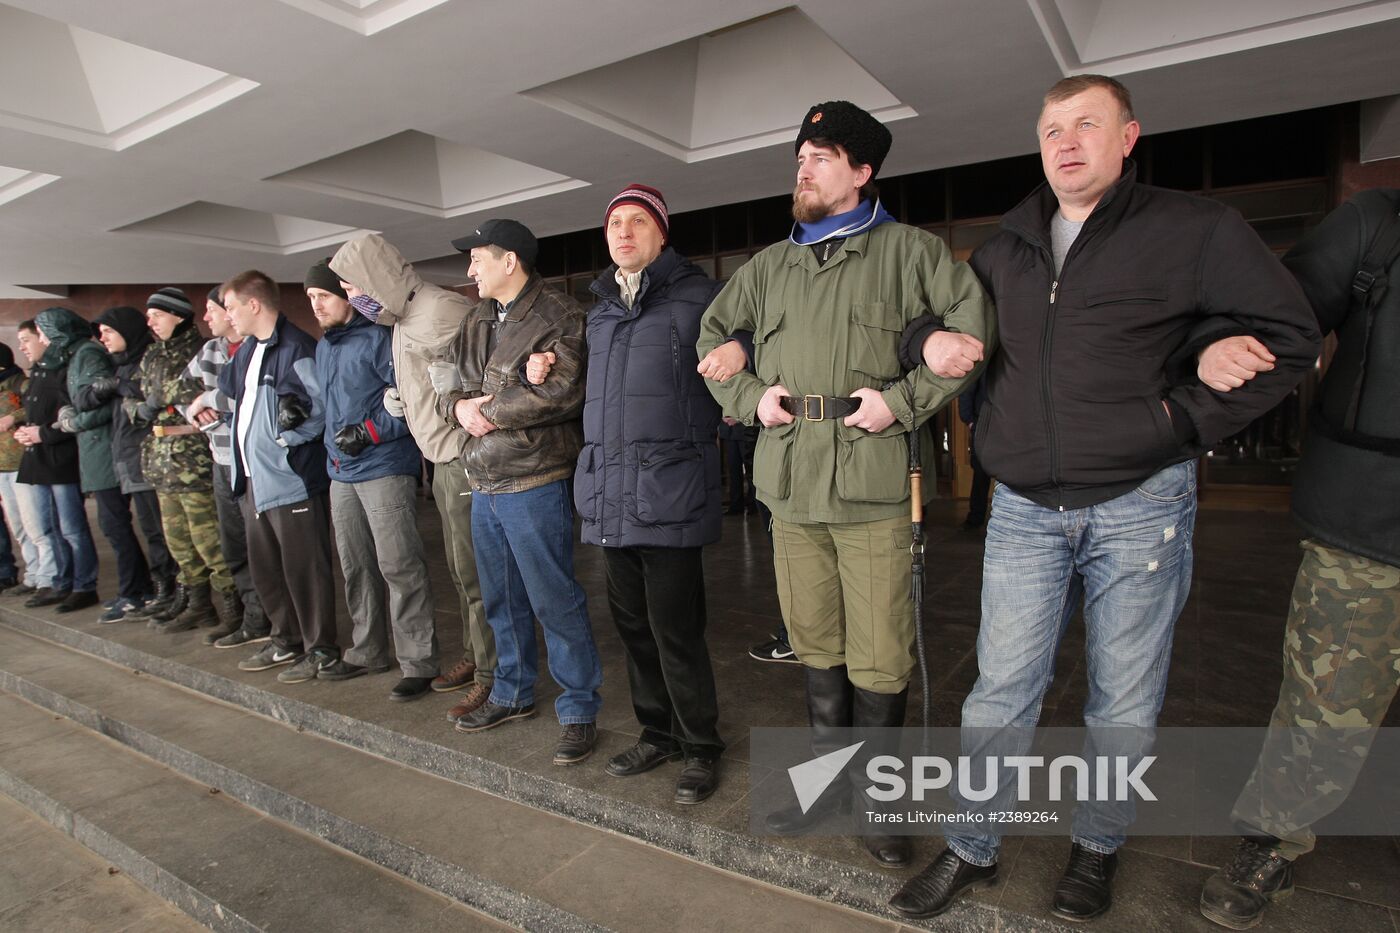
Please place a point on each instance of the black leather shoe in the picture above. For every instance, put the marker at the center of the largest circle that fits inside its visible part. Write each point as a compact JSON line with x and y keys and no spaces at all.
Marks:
{"x":640,"y":758}
{"x":410,"y":688}
{"x":78,"y":599}
{"x":46,"y":597}
{"x":488,"y":716}
{"x":1236,"y":896}
{"x":933,"y":890}
{"x":1086,"y":888}
{"x":698,"y":780}
{"x":576,"y":743}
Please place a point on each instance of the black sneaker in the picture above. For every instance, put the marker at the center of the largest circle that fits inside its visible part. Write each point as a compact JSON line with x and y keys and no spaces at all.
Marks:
{"x":120,"y":607}
{"x":78,"y":599}
{"x":933,"y":890}
{"x":46,"y":596}
{"x":270,"y":656}
{"x":240,"y":638}
{"x":774,"y":649}
{"x":488,"y":716}
{"x":1237,"y":895}
{"x":308,"y":667}
{"x":575,"y":743}
{"x":341,"y":669}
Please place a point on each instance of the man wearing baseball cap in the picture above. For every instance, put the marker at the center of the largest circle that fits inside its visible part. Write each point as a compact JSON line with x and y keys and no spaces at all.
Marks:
{"x":826,"y":308}
{"x":520,"y":444}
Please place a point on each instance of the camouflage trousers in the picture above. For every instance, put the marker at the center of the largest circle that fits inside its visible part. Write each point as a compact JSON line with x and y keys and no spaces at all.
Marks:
{"x":1341,"y":667}
{"x":191,"y":525}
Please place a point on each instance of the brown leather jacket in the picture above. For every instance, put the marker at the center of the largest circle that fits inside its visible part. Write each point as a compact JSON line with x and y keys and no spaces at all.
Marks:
{"x":539,"y":430}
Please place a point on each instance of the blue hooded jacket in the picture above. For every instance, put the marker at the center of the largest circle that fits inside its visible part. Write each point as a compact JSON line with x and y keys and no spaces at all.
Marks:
{"x":355,"y":366}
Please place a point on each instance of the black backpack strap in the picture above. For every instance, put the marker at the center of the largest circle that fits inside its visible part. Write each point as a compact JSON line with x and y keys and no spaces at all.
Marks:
{"x":1368,"y":287}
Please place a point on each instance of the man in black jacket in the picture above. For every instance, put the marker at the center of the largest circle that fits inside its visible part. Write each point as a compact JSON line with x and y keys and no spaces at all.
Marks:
{"x":1343,"y":635}
{"x":1099,"y":282}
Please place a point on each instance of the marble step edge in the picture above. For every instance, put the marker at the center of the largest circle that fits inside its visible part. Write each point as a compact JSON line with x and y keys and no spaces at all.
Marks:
{"x":865,"y":890}
{"x":184,"y":896}
{"x":450,"y":880}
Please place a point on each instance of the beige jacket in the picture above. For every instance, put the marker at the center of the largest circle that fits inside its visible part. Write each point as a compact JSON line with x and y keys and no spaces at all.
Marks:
{"x":425,"y":319}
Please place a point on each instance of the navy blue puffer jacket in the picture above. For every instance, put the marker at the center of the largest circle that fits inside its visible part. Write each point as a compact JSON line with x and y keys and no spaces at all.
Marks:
{"x":648,"y":474}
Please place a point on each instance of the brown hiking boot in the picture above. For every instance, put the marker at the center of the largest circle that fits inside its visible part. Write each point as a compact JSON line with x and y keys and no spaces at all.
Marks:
{"x":475,"y":696}
{"x":457,"y":678}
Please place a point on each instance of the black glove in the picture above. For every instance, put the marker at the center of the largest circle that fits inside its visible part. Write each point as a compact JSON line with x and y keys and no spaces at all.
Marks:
{"x":291,"y":412}
{"x":104,"y":387}
{"x":353,"y":439}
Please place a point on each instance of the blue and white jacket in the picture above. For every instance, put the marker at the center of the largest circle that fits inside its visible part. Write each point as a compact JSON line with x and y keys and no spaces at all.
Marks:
{"x":285,"y":467}
{"x":355,"y":367}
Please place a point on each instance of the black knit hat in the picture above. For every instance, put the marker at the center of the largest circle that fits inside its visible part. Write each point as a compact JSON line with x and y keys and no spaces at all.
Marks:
{"x":320,"y":276}
{"x":173,"y":301}
{"x":215,"y":297}
{"x":843,"y":123}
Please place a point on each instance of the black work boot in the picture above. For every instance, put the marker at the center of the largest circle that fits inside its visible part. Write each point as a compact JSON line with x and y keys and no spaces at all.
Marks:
{"x":229,"y":606}
{"x":877,"y":711}
{"x":1085,"y":889}
{"x":1236,"y":896}
{"x":829,"y":697}
{"x":199,"y":610}
{"x":165,"y":592}
{"x":177,"y":604}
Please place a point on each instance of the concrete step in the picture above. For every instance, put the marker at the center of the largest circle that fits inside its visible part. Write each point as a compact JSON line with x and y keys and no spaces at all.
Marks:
{"x":580,"y":795}
{"x":517,"y":863}
{"x":222,"y":863}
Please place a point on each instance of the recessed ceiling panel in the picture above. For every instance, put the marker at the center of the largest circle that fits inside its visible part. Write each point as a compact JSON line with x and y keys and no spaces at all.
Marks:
{"x":681,"y":100}
{"x":17,"y":182}
{"x":61,"y":81}
{"x":428,"y":175}
{"x":365,"y":17}
{"x":1123,"y":36}
{"x":225,"y":226}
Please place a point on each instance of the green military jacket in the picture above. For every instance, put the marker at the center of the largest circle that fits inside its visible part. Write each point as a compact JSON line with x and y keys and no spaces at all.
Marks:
{"x":829,"y":330}
{"x":11,"y":396}
{"x":181,"y":463}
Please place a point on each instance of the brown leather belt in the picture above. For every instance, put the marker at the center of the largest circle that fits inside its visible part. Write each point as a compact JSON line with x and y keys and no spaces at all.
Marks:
{"x":173,"y":430}
{"x":819,"y":407}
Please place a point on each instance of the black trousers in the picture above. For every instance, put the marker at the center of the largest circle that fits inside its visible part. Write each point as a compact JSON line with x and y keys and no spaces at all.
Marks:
{"x":289,"y":552}
{"x":657,"y":596}
{"x":134,"y":571}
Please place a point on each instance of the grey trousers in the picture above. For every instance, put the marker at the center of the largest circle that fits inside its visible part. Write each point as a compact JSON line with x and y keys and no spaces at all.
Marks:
{"x":454,"y":501}
{"x":376,"y":533}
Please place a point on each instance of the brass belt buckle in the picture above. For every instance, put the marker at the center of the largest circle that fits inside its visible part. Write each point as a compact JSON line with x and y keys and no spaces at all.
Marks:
{"x":807,"y":407}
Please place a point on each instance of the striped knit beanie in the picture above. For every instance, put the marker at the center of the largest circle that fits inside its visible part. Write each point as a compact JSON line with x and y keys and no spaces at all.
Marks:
{"x":173,"y":301}
{"x":649,"y":200}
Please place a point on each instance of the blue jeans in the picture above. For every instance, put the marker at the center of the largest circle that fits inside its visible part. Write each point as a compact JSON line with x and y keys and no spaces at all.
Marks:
{"x":1130,"y":559}
{"x":524,"y":543}
{"x":58,"y":516}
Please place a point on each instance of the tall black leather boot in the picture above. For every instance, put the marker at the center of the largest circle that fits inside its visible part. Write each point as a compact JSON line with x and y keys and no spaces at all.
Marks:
{"x":829,"y":697}
{"x":877,"y":711}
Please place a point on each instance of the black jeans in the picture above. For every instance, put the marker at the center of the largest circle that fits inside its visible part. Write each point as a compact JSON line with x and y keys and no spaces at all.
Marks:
{"x":134,"y":569}
{"x":233,"y":540}
{"x":657,"y":596}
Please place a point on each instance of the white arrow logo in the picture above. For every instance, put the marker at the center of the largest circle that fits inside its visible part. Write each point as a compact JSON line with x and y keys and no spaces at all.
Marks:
{"x":811,"y":778}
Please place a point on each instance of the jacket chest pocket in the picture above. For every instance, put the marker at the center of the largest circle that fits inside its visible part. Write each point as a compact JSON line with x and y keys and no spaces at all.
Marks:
{"x":874,"y":340}
{"x":767,"y":344}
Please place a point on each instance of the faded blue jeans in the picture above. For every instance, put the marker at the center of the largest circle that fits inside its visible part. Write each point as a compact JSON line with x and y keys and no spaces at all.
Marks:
{"x":56,"y":519}
{"x":524,"y":543}
{"x":1130,"y":560}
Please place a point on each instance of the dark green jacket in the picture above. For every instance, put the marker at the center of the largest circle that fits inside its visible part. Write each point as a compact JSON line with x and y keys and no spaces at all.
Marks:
{"x":90,"y":361}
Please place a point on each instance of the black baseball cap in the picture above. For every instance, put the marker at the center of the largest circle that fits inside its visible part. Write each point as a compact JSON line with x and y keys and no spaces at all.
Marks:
{"x":509,"y":235}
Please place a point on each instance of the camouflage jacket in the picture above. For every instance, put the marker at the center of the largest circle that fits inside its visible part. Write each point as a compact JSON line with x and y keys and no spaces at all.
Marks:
{"x":181,"y":463}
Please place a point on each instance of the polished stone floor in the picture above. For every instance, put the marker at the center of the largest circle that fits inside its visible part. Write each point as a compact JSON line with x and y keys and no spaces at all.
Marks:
{"x":1225,"y":672}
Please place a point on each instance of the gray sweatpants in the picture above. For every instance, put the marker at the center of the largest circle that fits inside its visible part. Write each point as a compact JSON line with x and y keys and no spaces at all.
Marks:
{"x":376,"y":533}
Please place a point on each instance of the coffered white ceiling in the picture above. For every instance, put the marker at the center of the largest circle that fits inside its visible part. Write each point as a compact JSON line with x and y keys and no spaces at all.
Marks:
{"x":184,"y":140}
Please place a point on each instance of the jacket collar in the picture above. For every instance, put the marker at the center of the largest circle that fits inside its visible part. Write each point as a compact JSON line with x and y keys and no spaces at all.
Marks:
{"x":486,"y":311}
{"x":1030,"y":220}
{"x":660,"y":271}
{"x":356,"y":321}
{"x":802,"y":255}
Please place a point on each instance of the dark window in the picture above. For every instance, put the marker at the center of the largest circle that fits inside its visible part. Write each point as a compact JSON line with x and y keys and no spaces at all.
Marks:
{"x":732,"y":227}
{"x":1175,"y":160}
{"x":551,"y":259}
{"x":924,"y":198}
{"x":578,"y":248}
{"x":1278,"y":148}
{"x":772,"y":220}
{"x":690,"y":234}
{"x":992,"y":188}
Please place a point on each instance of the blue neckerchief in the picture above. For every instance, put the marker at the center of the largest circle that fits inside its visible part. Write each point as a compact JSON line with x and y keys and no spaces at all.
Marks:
{"x":859,"y":219}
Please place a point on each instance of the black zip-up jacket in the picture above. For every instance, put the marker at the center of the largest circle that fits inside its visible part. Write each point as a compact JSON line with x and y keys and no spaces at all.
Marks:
{"x":1074,"y":413}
